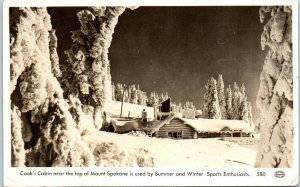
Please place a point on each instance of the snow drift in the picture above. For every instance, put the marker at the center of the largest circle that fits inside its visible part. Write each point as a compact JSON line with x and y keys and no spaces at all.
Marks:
{"x":162,"y":152}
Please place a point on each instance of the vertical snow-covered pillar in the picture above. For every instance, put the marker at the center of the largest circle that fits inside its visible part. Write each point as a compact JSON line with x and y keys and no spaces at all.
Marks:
{"x":275,"y":96}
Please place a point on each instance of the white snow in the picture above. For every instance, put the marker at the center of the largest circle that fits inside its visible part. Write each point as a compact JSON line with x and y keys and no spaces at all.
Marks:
{"x":181,"y":153}
{"x":216,"y":125}
{"x":134,"y":110}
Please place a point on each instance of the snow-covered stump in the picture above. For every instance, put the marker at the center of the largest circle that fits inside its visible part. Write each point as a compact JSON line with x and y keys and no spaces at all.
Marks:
{"x":275,"y":97}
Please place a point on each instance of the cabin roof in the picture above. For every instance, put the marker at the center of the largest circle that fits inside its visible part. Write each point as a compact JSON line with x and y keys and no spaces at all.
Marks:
{"x":212,"y":125}
{"x":217,"y":125}
{"x":199,"y":125}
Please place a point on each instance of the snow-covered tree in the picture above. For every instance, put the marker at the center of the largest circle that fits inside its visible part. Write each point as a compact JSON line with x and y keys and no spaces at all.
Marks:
{"x":88,"y":56}
{"x":142,"y":98}
{"x":275,"y":96}
{"x":243,"y":112}
{"x":250,"y":117}
{"x":162,"y":97}
{"x":53,"y":54}
{"x":211,"y":108}
{"x":153,"y":99}
{"x":119,"y":92}
{"x":18,"y":157}
{"x":179,"y":108}
{"x":174,"y":107}
{"x":243,"y":91}
{"x":167,"y":96}
{"x":236,"y":100}
{"x":37,"y":102}
{"x":113,"y":92}
{"x":229,"y":111}
{"x":133,"y":94}
{"x":189,"y":104}
{"x":221,"y":96}
{"x":125,"y":96}
{"x":48,"y":122}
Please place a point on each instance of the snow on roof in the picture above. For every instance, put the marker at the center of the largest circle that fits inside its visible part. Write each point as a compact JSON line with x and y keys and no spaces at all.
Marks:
{"x":216,"y":125}
{"x":200,"y":124}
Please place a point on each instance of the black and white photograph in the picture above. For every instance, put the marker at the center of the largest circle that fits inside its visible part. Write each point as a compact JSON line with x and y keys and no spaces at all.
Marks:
{"x":152,"y":86}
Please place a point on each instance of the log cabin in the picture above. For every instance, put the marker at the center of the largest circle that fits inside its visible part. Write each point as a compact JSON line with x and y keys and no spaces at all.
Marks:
{"x":182,"y":128}
{"x":167,"y":124}
{"x":176,"y":129}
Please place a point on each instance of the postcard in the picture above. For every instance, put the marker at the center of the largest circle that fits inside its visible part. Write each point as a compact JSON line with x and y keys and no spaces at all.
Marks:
{"x":200,"y":93}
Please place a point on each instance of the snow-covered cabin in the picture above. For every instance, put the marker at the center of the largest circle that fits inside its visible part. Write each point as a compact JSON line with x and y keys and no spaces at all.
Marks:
{"x":171,"y":125}
{"x":178,"y":128}
{"x":220,"y":128}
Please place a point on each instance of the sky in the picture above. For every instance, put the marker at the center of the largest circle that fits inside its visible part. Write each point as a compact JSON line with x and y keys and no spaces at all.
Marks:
{"x":177,"y":49}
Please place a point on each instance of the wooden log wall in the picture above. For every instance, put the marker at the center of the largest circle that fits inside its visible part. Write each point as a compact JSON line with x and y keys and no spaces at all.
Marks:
{"x":176,"y":125}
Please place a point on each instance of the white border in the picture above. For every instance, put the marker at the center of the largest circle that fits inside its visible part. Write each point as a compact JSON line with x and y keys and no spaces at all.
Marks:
{"x":12,"y":177}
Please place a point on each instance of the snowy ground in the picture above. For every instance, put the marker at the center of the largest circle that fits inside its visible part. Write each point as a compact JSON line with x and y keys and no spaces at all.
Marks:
{"x":129,"y":109}
{"x":182,"y":153}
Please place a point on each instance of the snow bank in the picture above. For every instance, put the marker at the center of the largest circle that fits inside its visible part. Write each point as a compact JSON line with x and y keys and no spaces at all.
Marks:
{"x":109,"y":154}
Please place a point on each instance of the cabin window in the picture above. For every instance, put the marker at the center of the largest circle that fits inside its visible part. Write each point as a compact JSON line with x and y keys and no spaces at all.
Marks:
{"x":177,"y":134}
{"x":236,"y":134}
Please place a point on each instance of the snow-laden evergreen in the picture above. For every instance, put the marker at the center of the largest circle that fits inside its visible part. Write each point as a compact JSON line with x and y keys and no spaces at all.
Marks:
{"x":236,"y":100}
{"x":275,"y":96}
{"x":37,"y":100}
{"x":48,"y":122}
{"x":221,"y":96}
{"x":211,"y":108}
{"x":88,"y":56}
{"x":232,"y":104}
{"x":229,"y":102}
